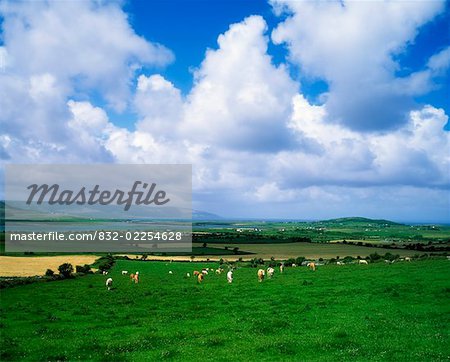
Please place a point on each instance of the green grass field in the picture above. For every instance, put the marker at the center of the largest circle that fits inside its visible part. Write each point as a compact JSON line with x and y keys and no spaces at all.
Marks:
{"x":397,"y":312}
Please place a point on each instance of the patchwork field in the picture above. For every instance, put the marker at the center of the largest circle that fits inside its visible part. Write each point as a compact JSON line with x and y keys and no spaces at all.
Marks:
{"x":281,"y":251}
{"x":309,"y":250}
{"x":395,"y":312}
{"x":29,"y":266}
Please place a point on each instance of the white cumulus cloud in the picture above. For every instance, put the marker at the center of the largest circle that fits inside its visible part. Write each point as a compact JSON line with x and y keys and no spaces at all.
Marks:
{"x":352,"y":46}
{"x":240,"y":99}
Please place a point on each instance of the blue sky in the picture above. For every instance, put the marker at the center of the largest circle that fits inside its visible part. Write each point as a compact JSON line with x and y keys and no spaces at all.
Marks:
{"x":202,"y":20}
{"x":285,"y":109}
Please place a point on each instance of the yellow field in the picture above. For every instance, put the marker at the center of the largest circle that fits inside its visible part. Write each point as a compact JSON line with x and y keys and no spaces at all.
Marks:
{"x":11,"y":266}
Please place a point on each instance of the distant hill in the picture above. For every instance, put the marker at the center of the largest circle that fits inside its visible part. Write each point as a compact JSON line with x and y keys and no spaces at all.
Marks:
{"x":203,"y":215}
{"x":359,"y":220}
{"x":32,"y":214}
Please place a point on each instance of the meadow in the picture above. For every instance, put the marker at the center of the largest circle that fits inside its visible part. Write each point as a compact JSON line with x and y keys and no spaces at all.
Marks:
{"x":353,"y":312}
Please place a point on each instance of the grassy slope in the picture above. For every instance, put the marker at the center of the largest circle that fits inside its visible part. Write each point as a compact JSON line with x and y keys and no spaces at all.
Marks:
{"x":375,"y":312}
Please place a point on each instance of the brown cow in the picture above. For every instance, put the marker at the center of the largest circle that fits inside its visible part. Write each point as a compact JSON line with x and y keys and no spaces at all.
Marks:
{"x":200,"y":278}
{"x":261,"y":274}
{"x":134,"y":277}
{"x":312,"y":266}
{"x":196,"y":273}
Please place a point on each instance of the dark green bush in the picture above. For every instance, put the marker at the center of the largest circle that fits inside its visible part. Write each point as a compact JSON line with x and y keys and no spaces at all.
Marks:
{"x":289,"y":262}
{"x":105,"y":263}
{"x":49,"y":273}
{"x":66,"y":270}
{"x":83,"y":269}
{"x":348,"y":259}
{"x":374,"y":257}
{"x":256,"y":261}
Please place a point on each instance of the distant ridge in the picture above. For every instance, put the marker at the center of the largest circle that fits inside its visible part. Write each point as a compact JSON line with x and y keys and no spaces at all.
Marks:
{"x":196,"y":214}
{"x":360,"y":220}
{"x":204,"y":216}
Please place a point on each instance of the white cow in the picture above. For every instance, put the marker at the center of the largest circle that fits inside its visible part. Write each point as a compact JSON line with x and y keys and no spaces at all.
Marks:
{"x":124,"y":272}
{"x":109,"y":282}
{"x":408,"y":259}
{"x":230,"y":276}
{"x":339,"y":263}
{"x":362,"y":261}
{"x":170,"y":272}
{"x":188,"y":275}
{"x":270,"y":272}
{"x":204,"y":272}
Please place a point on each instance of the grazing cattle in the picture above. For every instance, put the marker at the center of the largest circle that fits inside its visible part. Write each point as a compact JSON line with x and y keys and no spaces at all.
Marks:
{"x":219,"y":271}
{"x":281,"y":268}
{"x":294,"y":265}
{"x":200,"y":278}
{"x":134,"y":277}
{"x":188,"y":275}
{"x":170,"y":272}
{"x":105,"y":272}
{"x":339,"y":263}
{"x":204,"y":272}
{"x":230,"y":276}
{"x":362,"y":261}
{"x":261,"y":274}
{"x":270,"y":272}
{"x":196,"y":273}
{"x":408,"y":259}
{"x":124,"y":272}
{"x":312,"y":266}
{"x":109,"y":282}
